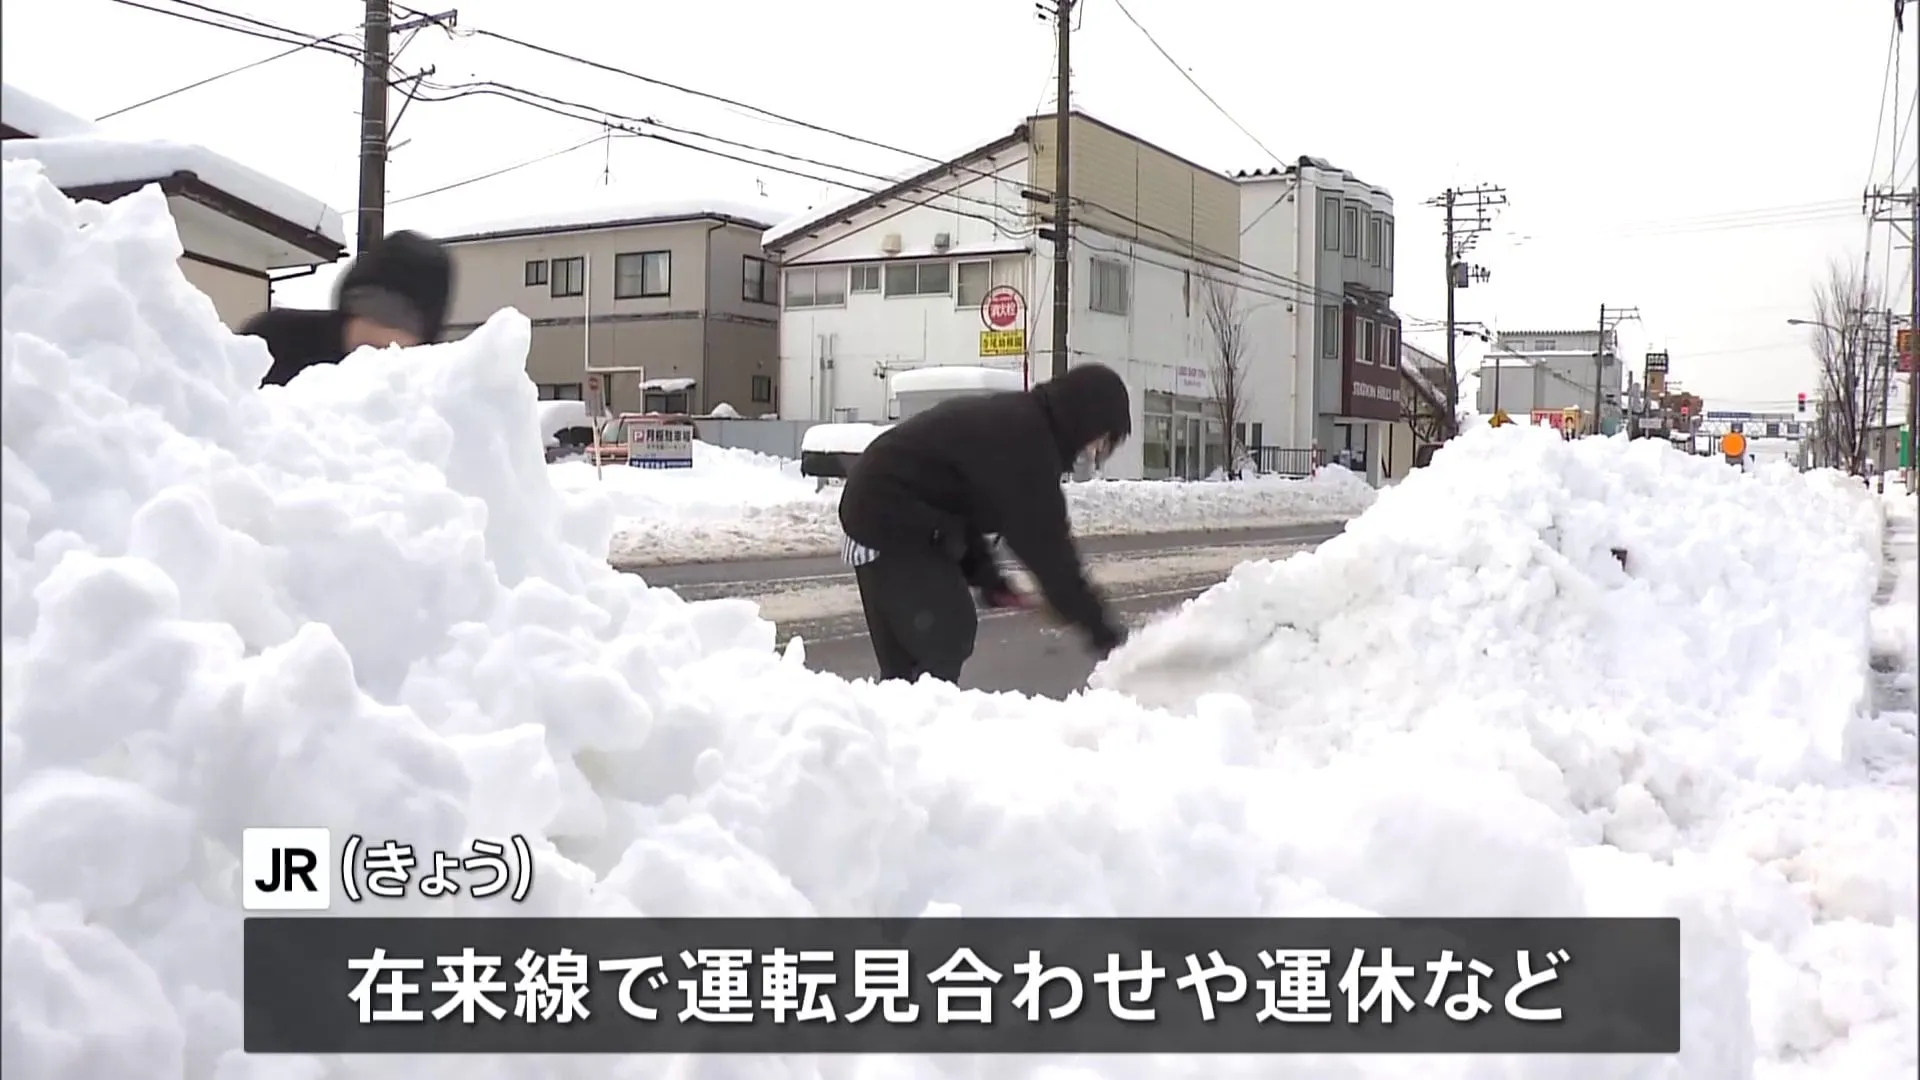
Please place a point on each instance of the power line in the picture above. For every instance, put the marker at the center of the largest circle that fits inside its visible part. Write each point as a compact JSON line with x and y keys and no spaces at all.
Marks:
{"x":503,"y":170}
{"x":198,"y":83}
{"x":1195,"y":83}
{"x":273,"y":33}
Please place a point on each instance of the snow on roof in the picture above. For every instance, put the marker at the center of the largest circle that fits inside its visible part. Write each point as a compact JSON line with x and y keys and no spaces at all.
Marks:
{"x":605,"y":212}
{"x":840,"y":438}
{"x":667,"y":386}
{"x":38,"y":117}
{"x":801,"y":222}
{"x":954,"y":377}
{"x":83,"y":161}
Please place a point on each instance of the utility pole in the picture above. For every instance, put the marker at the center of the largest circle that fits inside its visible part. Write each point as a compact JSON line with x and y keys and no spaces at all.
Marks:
{"x":1468,"y":212}
{"x":1062,"y":183}
{"x":376,"y":68}
{"x":1610,"y":317}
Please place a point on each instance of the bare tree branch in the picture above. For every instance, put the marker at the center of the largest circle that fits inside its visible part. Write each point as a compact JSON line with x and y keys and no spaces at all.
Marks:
{"x":1227,"y":325}
{"x":1850,"y":372}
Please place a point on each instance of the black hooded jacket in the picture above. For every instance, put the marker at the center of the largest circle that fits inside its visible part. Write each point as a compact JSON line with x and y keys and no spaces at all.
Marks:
{"x":413,"y":269}
{"x":992,"y":463}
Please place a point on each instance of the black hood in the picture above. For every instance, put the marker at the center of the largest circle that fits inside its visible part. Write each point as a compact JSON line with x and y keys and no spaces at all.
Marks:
{"x":1086,"y":403}
{"x":407,"y":266}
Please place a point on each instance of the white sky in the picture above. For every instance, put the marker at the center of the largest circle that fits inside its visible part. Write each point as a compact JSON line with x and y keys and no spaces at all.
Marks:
{"x":1698,"y":159}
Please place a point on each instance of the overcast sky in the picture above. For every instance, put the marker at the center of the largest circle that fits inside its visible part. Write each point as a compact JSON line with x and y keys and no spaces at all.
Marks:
{"x":1698,"y":159}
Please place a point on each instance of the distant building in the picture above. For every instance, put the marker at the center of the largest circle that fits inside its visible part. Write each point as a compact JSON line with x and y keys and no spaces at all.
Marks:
{"x":1553,"y":370}
{"x":1322,"y":240}
{"x":683,"y":289}
{"x":237,"y":226}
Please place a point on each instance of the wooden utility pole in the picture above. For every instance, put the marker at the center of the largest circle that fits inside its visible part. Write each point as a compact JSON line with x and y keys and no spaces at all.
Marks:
{"x":1468,"y":212}
{"x":1062,"y":184}
{"x":375,"y":71}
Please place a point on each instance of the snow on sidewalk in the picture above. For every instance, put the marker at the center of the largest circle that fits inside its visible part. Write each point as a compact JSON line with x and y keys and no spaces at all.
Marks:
{"x":1690,"y":718}
{"x":352,"y":602}
{"x":736,"y":504}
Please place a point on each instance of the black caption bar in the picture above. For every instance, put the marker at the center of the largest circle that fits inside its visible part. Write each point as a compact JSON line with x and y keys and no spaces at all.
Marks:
{"x":931,"y":986}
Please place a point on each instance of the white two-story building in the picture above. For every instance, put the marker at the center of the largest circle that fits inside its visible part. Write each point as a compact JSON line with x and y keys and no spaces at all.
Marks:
{"x":1324,"y":239}
{"x":894,"y":282}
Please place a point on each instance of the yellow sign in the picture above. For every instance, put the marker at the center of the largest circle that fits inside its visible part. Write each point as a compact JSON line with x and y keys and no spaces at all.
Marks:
{"x":1500,"y":418}
{"x":1733,"y":444}
{"x":1003,"y":343}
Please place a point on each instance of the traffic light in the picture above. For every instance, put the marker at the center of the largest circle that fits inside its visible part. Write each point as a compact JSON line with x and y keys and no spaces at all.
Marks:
{"x":1803,"y":402}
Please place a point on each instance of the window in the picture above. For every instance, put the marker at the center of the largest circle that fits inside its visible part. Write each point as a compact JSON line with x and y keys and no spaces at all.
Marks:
{"x":566,"y":391}
{"x":1258,"y":437}
{"x":819,"y":286}
{"x":569,"y":276}
{"x":1373,"y":240}
{"x":1329,"y":331}
{"x":762,"y":389}
{"x":1108,"y":292}
{"x":1390,"y":346}
{"x":1363,"y":340}
{"x":1330,"y":222}
{"x":971,"y":282}
{"x":918,"y":279}
{"x":1386,"y":241}
{"x":1350,"y":233}
{"x":536,"y":272}
{"x":665,"y":401}
{"x":866,"y":278}
{"x":642,"y":273}
{"x":756,"y":280}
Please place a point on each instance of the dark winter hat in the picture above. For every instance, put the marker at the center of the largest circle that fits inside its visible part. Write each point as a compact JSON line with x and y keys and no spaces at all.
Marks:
{"x":1089,"y":402}
{"x":406,"y":276}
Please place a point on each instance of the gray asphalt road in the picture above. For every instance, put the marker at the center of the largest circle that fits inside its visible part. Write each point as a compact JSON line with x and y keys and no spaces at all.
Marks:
{"x":815,"y":599}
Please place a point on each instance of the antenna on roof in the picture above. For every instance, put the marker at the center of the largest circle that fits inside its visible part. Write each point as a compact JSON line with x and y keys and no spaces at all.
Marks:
{"x":762,"y":185}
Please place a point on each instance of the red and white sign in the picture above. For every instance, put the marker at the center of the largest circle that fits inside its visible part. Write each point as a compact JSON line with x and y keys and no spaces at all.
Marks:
{"x":1002,"y":307}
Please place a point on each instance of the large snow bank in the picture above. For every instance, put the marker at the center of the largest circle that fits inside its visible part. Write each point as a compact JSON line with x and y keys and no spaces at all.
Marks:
{"x":655,"y":529}
{"x":725,"y":484}
{"x":1692,"y":720}
{"x":358,"y":601}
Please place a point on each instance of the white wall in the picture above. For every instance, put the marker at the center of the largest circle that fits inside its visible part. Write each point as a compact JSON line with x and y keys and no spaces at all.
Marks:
{"x":1280,"y":229}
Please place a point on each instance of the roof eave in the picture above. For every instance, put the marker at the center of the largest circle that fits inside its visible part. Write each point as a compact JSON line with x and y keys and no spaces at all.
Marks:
{"x":188,"y":185}
{"x":601,"y":226}
{"x":846,"y":214}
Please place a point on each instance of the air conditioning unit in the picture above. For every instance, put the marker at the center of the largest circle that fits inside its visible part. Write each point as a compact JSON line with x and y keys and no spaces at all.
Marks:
{"x":942,"y":241}
{"x":890,"y":243}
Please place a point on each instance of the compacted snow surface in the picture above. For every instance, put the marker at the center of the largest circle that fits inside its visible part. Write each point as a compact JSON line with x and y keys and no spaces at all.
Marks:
{"x":736,"y":504}
{"x":359,"y":601}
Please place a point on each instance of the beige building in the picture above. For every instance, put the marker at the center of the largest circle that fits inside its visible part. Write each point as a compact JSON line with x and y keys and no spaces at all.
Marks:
{"x":238,"y":227}
{"x":683,"y":290}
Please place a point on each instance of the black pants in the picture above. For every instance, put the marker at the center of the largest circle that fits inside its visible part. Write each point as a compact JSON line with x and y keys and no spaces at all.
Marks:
{"x":920,"y":615}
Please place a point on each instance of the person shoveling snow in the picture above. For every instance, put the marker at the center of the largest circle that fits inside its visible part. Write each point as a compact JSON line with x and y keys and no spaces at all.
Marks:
{"x":921,"y":500}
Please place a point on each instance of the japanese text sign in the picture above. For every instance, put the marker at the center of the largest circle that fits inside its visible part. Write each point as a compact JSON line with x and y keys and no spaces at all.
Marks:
{"x":510,"y":985}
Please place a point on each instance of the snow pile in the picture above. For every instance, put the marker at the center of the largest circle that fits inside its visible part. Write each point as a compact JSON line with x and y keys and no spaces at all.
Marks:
{"x":359,"y":602}
{"x":1472,"y":649}
{"x":657,"y":527}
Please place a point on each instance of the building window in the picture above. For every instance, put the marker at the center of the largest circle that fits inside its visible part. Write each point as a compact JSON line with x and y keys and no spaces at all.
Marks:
{"x":971,"y":282}
{"x":569,"y":276}
{"x":665,"y":401}
{"x":642,"y":273}
{"x":1350,"y":233}
{"x":919,"y":279}
{"x":1107,"y":293}
{"x":1257,"y":438}
{"x":866,"y":278}
{"x":818,"y":286}
{"x":1386,"y":241}
{"x":1390,"y":346}
{"x":536,"y":272}
{"x":762,"y":389}
{"x":1330,"y":223}
{"x":1363,"y":340}
{"x":1373,"y":241}
{"x":756,"y":280}
{"x":1330,"y":331}
{"x":566,"y":391}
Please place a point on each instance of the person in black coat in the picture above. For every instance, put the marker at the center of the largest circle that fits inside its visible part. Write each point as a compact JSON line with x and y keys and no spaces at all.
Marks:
{"x":921,"y":499}
{"x":395,"y":294}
